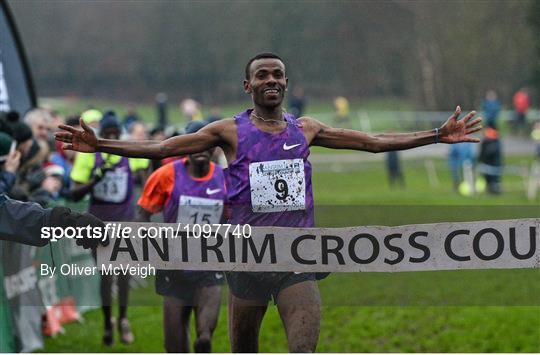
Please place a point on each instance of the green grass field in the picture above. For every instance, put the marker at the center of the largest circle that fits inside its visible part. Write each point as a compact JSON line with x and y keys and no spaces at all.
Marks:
{"x":450,"y":311}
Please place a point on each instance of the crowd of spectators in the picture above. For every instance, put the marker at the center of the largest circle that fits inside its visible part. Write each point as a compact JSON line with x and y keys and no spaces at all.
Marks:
{"x":33,"y":166}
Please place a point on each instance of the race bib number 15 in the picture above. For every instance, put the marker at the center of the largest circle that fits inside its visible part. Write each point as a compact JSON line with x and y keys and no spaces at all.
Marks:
{"x":199,"y":210}
{"x":278,"y":185}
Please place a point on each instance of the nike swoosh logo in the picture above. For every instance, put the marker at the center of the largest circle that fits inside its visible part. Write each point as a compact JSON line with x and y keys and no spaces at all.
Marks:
{"x":289,"y":147}
{"x":219,"y":276}
{"x":209,"y":191}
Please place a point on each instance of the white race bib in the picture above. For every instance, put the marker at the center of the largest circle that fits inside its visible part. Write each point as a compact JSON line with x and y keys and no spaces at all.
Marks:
{"x":199,"y":210}
{"x":278,"y":185}
{"x":112,"y":187}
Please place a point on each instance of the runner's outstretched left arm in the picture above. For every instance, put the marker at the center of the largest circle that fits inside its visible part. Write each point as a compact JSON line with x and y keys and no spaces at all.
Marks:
{"x":452,"y":131}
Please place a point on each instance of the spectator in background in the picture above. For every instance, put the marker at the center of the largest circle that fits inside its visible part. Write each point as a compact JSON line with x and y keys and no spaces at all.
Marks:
{"x":9,"y":162}
{"x":158,"y":134}
{"x":393,"y":166}
{"x":297,"y":102}
{"x":215,"y":115}
{"x":21,"y":172}
{"x":191,"y":110}
{"x":130,"y":118}
{"x":40,"y":122}
{"x":521,"y":104}
{"x":49,"y":191}
{"x":490,"y":158}
{"x":91,"y":118}
{"x":34,"y":152}
{"x":65,"y":159}
{"x":341,"y":105}
{"x":57,"y":119}
{"x":491,"y":107}
{"x":30,"y":175}
{"x":138,"y":131}
{"x":460,"y":154}
{"x":7,"y":120}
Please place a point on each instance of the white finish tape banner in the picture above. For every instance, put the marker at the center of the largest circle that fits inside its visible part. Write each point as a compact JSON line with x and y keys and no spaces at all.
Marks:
{"x":502,"y":244}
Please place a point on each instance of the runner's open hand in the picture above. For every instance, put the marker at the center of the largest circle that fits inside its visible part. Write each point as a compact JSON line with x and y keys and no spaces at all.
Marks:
{"x":84,"y":140}
{"x":455,"y":131}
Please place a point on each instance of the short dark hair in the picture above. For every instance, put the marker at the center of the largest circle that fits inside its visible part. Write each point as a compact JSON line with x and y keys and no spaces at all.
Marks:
{"x":260,"y":56}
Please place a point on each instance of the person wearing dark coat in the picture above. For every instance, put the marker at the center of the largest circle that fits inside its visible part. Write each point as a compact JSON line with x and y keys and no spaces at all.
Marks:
{"x":491,"y":159}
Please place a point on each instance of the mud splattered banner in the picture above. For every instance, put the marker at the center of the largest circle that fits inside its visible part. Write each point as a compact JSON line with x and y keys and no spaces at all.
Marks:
{"x":501,"y":244}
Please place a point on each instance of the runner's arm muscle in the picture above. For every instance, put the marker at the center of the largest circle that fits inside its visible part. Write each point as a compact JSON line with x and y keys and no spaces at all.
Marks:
{"x":175,"y":146}
{"x":340,"y":138}
{"x":454,"y":130}
{"x":85,"y":140}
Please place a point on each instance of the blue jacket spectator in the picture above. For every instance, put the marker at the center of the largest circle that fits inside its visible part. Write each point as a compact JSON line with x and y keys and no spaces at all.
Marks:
{"x":491,"y":107}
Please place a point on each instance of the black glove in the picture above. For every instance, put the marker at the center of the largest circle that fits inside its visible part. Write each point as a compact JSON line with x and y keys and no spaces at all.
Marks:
{"x":64,"y":217}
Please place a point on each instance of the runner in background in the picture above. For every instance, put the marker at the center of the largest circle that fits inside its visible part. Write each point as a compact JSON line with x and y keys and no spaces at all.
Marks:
{"x":109,"y":180}
{"x":188,"y":191}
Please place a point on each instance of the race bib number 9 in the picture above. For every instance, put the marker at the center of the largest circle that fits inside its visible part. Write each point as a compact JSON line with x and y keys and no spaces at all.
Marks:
{"x":112,"y":187}
{"x":278,"y":185}
{"x":199,"y":210}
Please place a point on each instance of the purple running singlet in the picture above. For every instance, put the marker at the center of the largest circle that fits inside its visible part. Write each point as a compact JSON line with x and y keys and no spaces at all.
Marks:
{"x":194,"y":200}
{"x":270,"y":180}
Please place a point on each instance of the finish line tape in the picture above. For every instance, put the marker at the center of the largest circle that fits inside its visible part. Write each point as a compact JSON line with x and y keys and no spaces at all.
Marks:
{"x":502,"y":244}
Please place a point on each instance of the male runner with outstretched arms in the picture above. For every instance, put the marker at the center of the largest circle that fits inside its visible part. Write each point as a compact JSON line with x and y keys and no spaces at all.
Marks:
{"x":255,"y":142}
